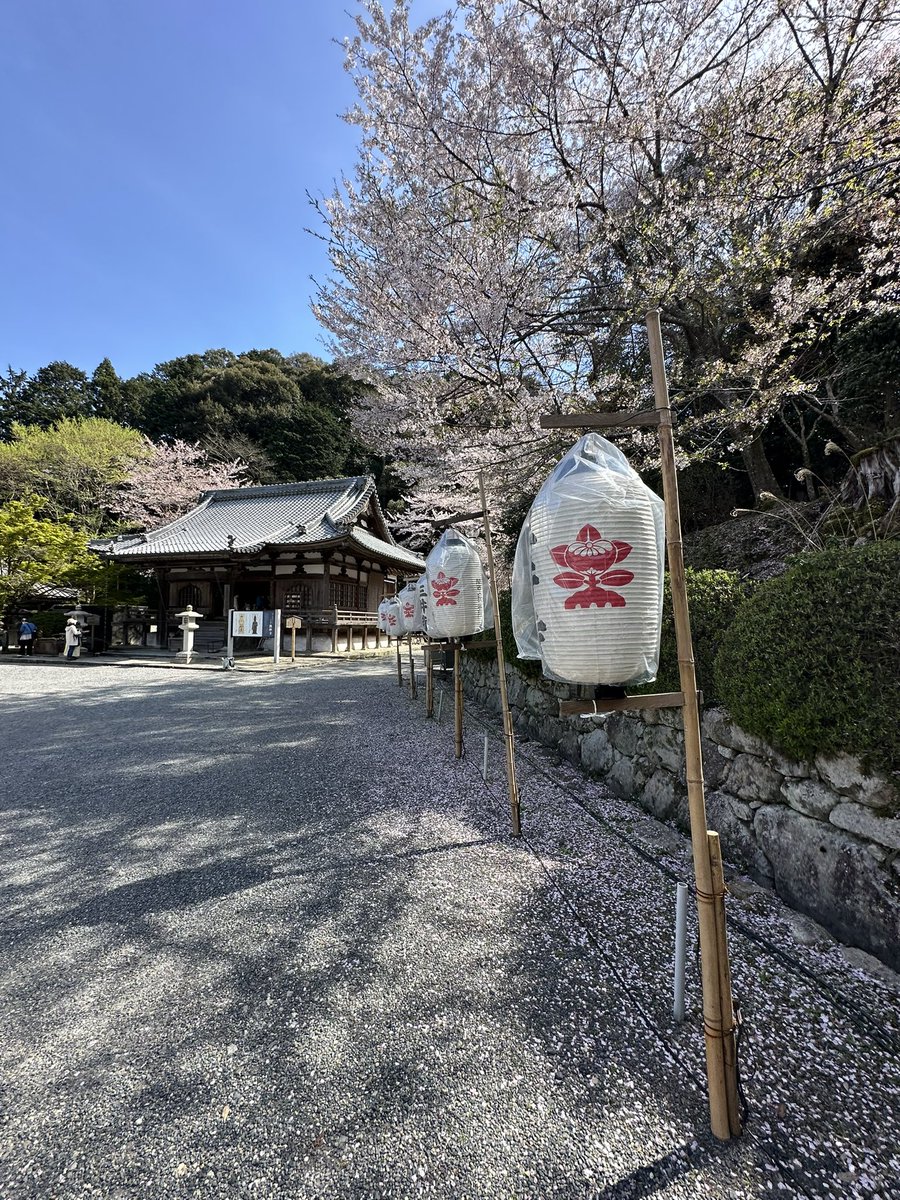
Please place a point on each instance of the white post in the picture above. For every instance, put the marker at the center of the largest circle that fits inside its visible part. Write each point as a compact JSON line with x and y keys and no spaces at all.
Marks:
{"x":680,"y":945}
{"x":440,"y":705}
{"x":277,"y":639}
{"x":484,"y":768}
{"x":229,"y":650}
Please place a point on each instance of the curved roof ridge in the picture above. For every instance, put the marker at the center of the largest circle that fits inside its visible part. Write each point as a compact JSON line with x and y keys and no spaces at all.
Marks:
{"x":299,"y":488}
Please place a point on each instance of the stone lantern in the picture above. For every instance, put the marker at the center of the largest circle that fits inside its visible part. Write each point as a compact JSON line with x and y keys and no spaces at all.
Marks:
{"x":188,"y":626}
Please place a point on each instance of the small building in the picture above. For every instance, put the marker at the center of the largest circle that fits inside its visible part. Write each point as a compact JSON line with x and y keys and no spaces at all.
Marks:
{"x":320,"y":550}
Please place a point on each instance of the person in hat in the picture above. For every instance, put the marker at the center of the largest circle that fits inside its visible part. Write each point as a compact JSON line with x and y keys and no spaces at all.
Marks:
{"x":73,"y":639}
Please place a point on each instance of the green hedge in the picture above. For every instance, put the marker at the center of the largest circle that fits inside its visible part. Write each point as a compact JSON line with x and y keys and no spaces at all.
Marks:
{"x":811,"y":662}
{"x":530,"y":668}
{"x":713,"y":599}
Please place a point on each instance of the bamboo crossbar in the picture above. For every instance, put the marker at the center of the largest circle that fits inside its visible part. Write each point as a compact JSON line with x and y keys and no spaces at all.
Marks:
{"x":616,"y":420}
{"x":444,"y":522}
{"x":580,"y":708}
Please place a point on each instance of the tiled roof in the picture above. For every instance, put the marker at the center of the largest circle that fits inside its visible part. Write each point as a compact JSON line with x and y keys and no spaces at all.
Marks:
{"x":397,"y":554}
{"x":244,"y":520}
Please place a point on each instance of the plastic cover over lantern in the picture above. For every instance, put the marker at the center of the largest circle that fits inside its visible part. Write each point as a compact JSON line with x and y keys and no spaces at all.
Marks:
{"x":588,"y":575}
{"x":422,"y":589}
{"x":382,"y":615}
{"x":392,"y":617}
{"x":410,"y":609}
{"x":488,"y":600}
{"x":455,"y":587}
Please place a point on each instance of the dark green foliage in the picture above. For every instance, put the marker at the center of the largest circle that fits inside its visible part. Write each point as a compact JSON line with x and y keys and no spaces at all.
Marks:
{"x":714,"y":598}
{"x":530,"y":668}
{"x":811,"y":662}
{"x":56,"y":391}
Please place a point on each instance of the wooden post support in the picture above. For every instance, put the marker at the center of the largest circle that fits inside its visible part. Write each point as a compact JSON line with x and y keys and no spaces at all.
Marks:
{"x":429,"y":680}
{"x":716,"y":1020}
{"x":458,"y":702}
{"x":412,"y":671}
{"x":508,"y":734}
{"x":728,"y":1031}
{"x":399,"y":664}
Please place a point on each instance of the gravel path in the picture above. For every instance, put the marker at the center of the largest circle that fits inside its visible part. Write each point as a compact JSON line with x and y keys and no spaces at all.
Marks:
{"x":263,"y":936}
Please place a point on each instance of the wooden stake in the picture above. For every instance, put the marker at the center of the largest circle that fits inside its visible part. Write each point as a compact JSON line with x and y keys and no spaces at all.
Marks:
{"x":429,"y":681}
{"x":458,"y":699}
{"x":728,"y":1032}
{"x":715,"y":1021}
{"x":412,"y":671}
{"x":399,"y":665}
{"x":508,"y":735}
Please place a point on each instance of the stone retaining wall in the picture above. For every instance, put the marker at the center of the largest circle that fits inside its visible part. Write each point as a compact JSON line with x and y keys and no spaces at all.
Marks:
{"x":825,"y":835}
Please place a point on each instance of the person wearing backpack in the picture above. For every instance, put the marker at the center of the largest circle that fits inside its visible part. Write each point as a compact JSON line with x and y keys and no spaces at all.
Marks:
{"x":27,"y":634}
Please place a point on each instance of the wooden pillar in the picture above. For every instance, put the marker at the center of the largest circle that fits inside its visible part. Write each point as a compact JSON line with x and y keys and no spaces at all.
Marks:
{"x":718,"y":1012}
{"x":508,"y":735}
{"x":429,"y":679}
{"x":458,"y":702}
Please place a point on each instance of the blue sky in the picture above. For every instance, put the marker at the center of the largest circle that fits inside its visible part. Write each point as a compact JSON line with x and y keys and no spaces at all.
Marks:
{"x":156,"y":157}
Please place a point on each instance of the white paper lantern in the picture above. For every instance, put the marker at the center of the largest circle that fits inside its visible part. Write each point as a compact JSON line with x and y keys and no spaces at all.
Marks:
{"x":587,"y":582}
{"x":410,"y":609}
{"x":455,"y":587}
{"x":422,"y":589}
{"x":392,"y":617}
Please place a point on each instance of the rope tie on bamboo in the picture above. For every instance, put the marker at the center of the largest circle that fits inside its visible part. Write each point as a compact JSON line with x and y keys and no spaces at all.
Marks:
{"x":710,"y":897}
{"x":720,"y":1033}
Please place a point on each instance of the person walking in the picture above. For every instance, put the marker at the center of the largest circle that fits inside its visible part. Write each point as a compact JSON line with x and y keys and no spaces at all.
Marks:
{"x":27,"y":634}
{"x":73,"y":640}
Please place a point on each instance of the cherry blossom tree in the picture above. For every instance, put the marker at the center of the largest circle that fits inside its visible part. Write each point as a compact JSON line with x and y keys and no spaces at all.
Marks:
{"x":168,"y":482}
{"x":534,"y":174}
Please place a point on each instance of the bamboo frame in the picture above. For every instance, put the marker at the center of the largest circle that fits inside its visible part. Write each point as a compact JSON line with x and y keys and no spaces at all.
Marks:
{"x":413,"y":691}
{"x":399,"y":664}
{"x":457,"y":702}
{"x":718,"y":1016}
{"x":580,"y":708}
{"x":429,"y":679}
{"x":648,"y":416}
{"x":508,"y":734}
{"x":718,"y":1008}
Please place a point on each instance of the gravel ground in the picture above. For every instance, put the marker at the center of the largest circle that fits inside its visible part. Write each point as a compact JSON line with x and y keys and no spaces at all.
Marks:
{"x":263,"y":936}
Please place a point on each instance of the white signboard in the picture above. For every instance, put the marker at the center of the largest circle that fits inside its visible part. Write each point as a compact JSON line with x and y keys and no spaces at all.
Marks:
{"x":247,"y":623}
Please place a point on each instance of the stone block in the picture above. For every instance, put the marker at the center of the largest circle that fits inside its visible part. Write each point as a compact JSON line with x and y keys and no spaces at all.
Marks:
{"x":597,"y":753}
{"x":570,"y":748}
{"x":539,"y":701}
{"x":858,"y":819}
{"x":621,"y":779}
{"x":731,"y":818}
{"x":845,"y":774}
{"x":830,"y":876}
{"x":659,"y":795}
{"x":665,"y":746}
{"x":624,"y":732}
{"x":715,"y":764}
{"x":809,"y":797}
{"x":788,"y":766}
{"x":718,"y":727}
{"x":751,"y":778}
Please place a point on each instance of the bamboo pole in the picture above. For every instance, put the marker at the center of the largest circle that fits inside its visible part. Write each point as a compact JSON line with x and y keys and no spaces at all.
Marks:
{"x":508,"y":734}
{"x":718,"y":882}
{"x":399,"y":664}
{"x":458,"y":702}
{"x":412,"y":671}
{"x":713,"y":1017}
{"x":429,"y":680}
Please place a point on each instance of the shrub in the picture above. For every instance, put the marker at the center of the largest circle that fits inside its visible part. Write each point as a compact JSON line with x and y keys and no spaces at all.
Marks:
{"x":811,"y":662}
{"x":713,"y":599}
{"x":530,"y":668}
